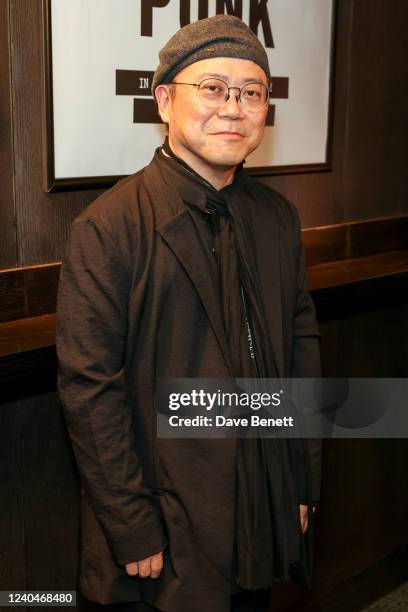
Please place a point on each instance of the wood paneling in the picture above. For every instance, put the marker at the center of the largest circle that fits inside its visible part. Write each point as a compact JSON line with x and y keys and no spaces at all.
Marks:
{"x":360,"y":270}
{"x":339,"y":289}
{"x":364,"y":492}
{"x":373,"y":248}
{"x":28,"y":292}
{"x":368,"y":344}
{"x":43,"y":220}
{"x":8,"y":238}
{"x":355,"y":239}
{"x":361,"y":518}
{"x":363,"y":589}
{"x":22,"y":335}
{"x":12,"y":568}
{"x":51,"y":489}
{"x":40,"y":497}
{"x":376,"y":156}
{"x":352,"y":292}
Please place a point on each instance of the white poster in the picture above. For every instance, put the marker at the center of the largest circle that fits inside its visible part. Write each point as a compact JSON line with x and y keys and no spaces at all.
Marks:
{"x":104,"y":53}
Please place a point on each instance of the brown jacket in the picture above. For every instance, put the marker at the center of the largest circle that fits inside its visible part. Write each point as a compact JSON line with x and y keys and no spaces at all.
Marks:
{"x":134,"y":304}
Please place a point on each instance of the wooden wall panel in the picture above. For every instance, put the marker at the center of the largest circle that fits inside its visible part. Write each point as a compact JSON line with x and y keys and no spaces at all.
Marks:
{"x":12,"y":536}
{"x":364,"y":488}
{"x":51,"y":489}
{"x":362,"y":516}
{"x":43,"y":220}
{"x":39,"y":536}
{"x":370,"y":344}
{"x":376,"y":157}
{"x":8,"y":239}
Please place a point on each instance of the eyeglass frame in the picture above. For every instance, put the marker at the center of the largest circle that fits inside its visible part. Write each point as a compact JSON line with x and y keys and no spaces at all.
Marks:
{"x":237,"y":97}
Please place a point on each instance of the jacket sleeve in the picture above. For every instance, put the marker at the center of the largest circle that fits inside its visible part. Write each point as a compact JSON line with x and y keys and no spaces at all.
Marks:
{"x":306,"y":348}
{"x":92,"y":310}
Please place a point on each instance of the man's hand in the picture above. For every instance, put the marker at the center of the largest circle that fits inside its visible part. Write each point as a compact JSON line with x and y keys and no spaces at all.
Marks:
{"x":150,"y":567}
{"x":304,"y":520}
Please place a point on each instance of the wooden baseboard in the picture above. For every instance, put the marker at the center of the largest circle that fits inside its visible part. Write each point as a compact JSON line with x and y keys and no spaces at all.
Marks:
{"x":361,"y":590}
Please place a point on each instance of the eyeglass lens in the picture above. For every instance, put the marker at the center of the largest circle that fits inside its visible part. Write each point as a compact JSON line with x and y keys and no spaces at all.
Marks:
{"x":214,"y":92}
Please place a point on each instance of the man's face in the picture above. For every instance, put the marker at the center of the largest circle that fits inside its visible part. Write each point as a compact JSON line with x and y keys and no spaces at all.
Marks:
{"x":213,"y":139}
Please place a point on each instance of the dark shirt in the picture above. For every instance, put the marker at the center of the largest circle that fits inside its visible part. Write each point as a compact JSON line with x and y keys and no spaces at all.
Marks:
{"x":212,"y":216}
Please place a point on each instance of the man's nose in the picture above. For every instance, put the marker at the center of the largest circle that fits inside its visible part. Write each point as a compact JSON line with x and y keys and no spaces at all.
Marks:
{"x":231,"y":106}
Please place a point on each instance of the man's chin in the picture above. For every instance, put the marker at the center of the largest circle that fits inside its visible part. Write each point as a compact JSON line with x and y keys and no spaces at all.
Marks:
{"x":228,"y":156}
{"x":227,"y":161}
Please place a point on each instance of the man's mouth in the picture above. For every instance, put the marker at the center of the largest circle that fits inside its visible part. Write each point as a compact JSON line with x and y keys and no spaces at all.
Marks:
{"x":228,"y":134}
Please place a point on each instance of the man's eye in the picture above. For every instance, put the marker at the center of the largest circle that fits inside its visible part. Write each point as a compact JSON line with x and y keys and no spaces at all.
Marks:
{"x":212,"y":88}
{"x":252,"y":93}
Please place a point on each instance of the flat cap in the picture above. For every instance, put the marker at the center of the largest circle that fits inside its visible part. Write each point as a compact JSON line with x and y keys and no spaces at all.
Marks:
{"x":219,"y":36}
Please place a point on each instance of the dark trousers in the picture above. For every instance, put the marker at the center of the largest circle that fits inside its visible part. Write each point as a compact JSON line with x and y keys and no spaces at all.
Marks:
{"x":248,"y":601}
{"x":242,"y":602}
{"x":130,"y":607}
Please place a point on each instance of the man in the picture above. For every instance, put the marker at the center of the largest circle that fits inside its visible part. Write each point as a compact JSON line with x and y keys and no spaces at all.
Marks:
{"x":189,"y":268}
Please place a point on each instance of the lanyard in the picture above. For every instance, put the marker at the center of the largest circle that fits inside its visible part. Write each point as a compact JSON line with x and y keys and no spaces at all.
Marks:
{"x":250,"y":338}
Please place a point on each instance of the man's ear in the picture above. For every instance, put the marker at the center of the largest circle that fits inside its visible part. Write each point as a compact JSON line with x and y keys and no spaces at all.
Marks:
{"x":163,"y":99}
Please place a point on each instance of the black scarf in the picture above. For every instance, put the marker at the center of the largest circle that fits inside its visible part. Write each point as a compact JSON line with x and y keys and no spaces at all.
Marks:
{"x":268,"y":545}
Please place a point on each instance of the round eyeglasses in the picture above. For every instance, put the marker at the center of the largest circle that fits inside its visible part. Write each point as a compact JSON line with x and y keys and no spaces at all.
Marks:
{"x":214,"y":93}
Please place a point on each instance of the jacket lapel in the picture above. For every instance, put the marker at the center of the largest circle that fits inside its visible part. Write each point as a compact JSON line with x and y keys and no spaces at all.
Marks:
{"x":183,"y":239}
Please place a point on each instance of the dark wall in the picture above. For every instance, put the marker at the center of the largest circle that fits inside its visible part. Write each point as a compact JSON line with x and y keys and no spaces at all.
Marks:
{"x":370,"y":150}
{"x":39,"y":536}
{"x":364,"y":493}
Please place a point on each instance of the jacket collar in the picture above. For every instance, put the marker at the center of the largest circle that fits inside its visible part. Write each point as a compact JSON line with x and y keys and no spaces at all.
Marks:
{"x":182,"y":237}
{"x":193,"y":189}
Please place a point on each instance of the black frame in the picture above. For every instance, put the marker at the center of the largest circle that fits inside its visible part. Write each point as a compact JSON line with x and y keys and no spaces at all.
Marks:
{"x":99,"y":182}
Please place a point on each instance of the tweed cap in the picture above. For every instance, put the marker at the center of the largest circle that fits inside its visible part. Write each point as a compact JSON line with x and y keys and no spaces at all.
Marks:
{"x":219,"y":36}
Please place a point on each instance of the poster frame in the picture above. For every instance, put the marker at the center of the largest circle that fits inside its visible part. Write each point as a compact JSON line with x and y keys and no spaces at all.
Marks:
{"x":51,"y":183}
